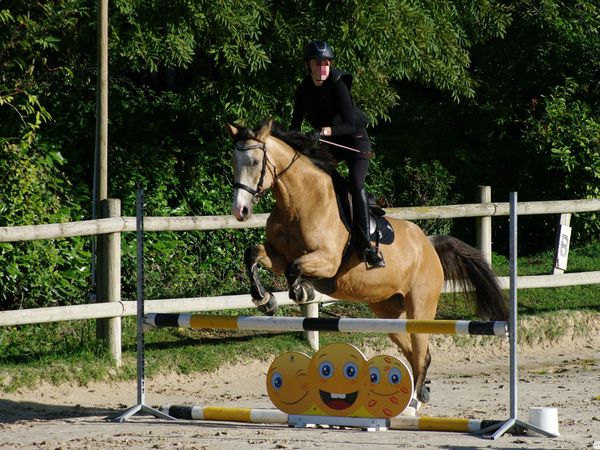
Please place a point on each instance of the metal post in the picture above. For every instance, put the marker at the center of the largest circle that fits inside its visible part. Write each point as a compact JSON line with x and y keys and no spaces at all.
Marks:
{"x":140,"y":407}
{"x":513,"y":421}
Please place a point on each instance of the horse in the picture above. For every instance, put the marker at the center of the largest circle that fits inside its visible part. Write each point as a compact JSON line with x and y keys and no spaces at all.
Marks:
{"x":306,"y":240}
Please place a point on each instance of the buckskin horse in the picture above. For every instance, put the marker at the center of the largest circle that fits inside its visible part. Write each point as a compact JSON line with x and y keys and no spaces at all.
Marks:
{"x":306,"y":240}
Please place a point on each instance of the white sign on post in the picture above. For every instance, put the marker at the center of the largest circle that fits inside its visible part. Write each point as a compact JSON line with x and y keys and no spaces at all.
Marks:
{"x":562,"y":250}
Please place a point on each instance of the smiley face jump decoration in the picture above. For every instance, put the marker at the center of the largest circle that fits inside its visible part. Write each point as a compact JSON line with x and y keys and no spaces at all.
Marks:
{"x":339,"y":381}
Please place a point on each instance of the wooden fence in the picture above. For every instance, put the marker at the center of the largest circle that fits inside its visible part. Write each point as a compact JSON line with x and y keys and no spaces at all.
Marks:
{"x":110,"y":306}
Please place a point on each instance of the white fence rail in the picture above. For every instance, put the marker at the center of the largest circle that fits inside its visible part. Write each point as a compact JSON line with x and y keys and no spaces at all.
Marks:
{"x":226,"y":302}
{"x":117,"y":309}
{"x":203,"y":223}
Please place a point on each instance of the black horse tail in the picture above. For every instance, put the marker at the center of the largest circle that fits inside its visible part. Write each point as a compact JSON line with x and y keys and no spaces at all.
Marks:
{"x":466,"y":266}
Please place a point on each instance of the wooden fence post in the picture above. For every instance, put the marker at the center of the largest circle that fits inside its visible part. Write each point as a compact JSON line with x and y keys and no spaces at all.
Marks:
{"x":109,"y":281}
{"x":484,"y":225}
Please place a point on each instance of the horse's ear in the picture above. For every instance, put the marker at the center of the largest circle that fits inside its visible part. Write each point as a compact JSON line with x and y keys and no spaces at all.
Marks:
{"x":265,"y":130}
{"x":232,"y":130}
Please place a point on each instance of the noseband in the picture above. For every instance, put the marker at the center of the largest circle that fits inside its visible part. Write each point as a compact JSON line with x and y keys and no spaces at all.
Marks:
{"x":259,"y":191}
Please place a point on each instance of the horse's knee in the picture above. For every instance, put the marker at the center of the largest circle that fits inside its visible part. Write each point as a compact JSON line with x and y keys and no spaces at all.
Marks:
{"x":250,"y":256}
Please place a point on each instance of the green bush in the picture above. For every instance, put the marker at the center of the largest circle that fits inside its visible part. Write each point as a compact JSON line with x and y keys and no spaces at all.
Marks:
{"x":40,"y":272}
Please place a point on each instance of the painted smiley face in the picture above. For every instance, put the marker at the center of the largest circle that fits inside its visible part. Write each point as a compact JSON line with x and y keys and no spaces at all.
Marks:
{"x":287,"y":383}
{"x":337,"y":375}
{"x":391,"y":386}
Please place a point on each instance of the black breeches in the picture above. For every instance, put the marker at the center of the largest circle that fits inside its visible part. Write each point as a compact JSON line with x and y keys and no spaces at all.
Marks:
{"x":358,"y":163}
{"x":357,"y":172}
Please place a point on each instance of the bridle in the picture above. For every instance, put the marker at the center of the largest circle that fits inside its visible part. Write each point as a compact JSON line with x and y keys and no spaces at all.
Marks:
{"x":259,"y":191}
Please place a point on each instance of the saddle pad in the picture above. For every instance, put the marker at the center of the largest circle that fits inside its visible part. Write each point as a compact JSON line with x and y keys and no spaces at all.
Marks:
{"x":380,"y":225}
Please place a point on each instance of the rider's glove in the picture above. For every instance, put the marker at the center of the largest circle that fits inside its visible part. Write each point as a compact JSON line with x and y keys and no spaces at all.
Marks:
{"x":314,"y":136}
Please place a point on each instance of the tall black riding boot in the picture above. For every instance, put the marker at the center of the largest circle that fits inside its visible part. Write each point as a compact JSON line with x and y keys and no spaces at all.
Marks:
{"x":360,"y":231}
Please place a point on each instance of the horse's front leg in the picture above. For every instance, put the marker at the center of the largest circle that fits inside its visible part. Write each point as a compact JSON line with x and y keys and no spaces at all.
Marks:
{"x":263,"y":299}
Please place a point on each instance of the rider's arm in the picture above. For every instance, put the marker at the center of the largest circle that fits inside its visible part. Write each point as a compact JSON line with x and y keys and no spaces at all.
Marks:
{"x":298,"y":114}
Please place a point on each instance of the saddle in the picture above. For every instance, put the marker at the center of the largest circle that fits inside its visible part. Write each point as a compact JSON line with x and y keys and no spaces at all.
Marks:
{"x":380,"y":230}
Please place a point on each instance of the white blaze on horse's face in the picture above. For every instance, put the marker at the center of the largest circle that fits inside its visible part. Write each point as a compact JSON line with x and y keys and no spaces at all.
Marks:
{"x":247,"y":167}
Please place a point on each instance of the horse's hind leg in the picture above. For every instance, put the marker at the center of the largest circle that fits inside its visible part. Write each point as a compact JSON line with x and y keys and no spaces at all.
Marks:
{"x":420,"y":364}
{"x":421,"y":304}
{"x":301,"y":291}
{"x":263,"y":299}
{"x":316,"y":264}
{"x":415,"y":347}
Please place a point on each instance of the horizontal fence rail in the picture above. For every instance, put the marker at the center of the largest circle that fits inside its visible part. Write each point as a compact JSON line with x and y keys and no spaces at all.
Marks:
{"x":226,"y":302}
{"x":204,"y":223}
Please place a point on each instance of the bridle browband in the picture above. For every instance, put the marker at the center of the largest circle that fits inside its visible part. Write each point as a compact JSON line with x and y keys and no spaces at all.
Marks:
{"x":259,"y":191}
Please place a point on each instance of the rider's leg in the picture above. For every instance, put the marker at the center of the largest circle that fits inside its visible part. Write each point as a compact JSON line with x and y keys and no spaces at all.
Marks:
{"x":360,"y":213}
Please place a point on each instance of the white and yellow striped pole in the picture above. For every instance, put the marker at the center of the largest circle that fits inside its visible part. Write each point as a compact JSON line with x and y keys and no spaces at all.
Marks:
{"x":347,"y":325}
{"x":275,"y":416}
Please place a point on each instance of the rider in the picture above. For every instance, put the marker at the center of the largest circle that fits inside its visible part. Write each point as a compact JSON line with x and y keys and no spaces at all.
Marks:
{"x":323,"y":97}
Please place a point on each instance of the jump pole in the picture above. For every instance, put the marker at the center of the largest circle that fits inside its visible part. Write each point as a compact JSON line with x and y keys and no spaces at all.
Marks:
{"x":512,"y":329}
{"x":275,"y":416}
{"x":347,"y":325}
{"x":140,"y":406}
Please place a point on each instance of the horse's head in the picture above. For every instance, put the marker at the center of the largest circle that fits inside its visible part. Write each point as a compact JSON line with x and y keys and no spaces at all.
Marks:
{"x":249,"y":168}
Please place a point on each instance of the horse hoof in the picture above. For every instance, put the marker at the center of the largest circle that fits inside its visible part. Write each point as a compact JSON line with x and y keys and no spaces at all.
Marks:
{"x":424,"y":394}
{"x":409,"y":411}
{"x":303,"y":292}
{"x":413,"y":408}
{"x":267,"y":305}
{"x":309,"y":292}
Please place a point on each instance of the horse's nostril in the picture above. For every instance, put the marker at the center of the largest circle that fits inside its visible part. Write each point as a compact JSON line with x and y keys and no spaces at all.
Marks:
{"x":245,"y":211}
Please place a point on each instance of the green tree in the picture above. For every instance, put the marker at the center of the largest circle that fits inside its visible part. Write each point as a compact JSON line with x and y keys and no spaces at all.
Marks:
{"x":531,"y":124}
{"x":455,"y":78}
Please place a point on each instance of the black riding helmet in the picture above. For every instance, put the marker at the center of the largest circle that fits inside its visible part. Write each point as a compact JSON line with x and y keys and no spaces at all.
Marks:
{"x":319,"y":50}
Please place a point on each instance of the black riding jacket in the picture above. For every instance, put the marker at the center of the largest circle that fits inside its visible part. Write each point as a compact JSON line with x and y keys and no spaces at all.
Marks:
{"x":330,"y":105}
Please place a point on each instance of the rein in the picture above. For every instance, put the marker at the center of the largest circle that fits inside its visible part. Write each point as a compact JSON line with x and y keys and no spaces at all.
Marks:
{"x":259,"y":191}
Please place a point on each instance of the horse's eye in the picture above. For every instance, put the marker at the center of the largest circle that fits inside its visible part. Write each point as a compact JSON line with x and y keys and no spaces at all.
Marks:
{"x":254,"y":162}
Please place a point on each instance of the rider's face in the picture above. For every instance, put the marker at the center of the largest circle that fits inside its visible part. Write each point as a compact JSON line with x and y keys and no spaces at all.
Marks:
{"x":319,"y":70}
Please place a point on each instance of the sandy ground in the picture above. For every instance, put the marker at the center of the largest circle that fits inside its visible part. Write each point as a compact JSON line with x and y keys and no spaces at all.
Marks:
{"x":466,"y":381}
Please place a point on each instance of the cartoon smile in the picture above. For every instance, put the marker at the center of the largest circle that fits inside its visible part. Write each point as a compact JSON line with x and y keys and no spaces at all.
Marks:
{"x":295,"y":401}
{"x":338,"y":401}
{"x":388,"y":394}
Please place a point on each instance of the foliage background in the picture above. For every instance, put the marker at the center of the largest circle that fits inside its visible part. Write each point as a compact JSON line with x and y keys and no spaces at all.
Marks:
{"x":460,"y":93}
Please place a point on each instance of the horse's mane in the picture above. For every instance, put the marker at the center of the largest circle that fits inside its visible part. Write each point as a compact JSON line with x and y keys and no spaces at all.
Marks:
{"x":318,"y":153}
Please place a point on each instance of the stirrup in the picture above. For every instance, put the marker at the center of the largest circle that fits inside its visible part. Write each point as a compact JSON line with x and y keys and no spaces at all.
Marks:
{"x":373,"y":258}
